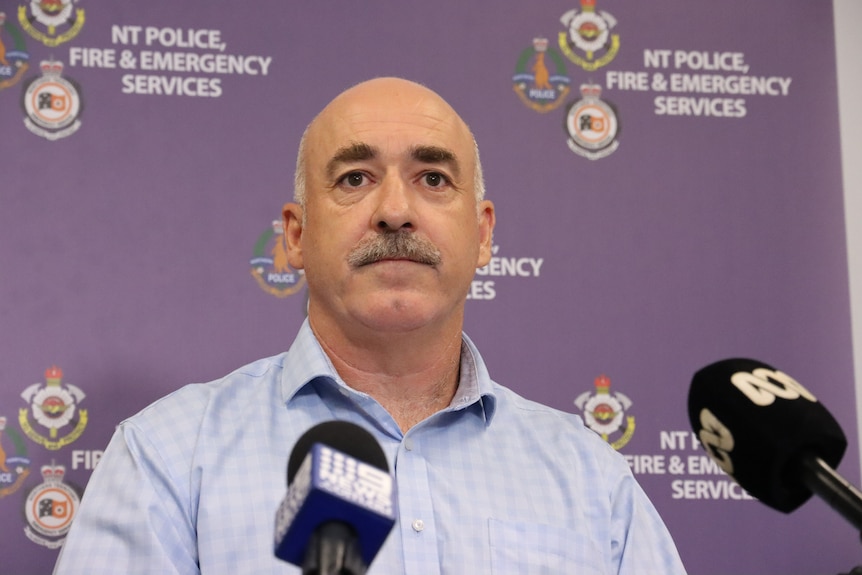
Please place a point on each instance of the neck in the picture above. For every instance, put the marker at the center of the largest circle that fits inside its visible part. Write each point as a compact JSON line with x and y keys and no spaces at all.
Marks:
{"x":411,"y":375}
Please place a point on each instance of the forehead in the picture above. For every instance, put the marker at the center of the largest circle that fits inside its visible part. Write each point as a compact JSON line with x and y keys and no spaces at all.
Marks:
{"x":392,"y":116}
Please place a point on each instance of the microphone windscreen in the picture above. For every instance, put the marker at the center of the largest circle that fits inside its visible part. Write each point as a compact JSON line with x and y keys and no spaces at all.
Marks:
{"x":338,"y":477}
{"x":344,"y":436}
{"x":758,"y":423}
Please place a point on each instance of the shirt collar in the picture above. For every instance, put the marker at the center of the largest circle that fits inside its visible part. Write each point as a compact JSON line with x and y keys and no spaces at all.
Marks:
{"x":307,"y":361}
{"x":474,"y":383}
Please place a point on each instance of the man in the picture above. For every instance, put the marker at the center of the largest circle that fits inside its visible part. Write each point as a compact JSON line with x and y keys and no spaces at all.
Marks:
{"x":390,"y":224}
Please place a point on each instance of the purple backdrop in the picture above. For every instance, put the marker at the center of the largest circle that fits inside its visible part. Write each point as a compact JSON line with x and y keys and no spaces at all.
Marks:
{"x":683,"y":223}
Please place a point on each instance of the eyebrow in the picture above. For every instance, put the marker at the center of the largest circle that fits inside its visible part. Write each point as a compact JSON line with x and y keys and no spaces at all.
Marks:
{"x":360,"y":151}
{"x":355,"y":152}
{"x":436,"y":155}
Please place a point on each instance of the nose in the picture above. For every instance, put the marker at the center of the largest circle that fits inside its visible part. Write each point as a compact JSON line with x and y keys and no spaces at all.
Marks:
{"x":394,"y":209}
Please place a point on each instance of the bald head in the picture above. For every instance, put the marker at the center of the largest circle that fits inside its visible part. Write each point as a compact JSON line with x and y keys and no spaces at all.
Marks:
{"x":381,"y":100}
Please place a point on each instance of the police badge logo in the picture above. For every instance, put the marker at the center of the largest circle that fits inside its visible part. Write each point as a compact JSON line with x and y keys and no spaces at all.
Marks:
{"x":14,"y":465}
{"x":592,"y":125}
{"x":54,"y":406}
{"x":604,"y":412}
{"x":589,"y":32}
{"x":533,"y":81}
{"x":50,"y":508}
{"x":52,"y":103}
{"x":14,"y":59}
{"x":269,"y":265}
{"x":51,"y":22}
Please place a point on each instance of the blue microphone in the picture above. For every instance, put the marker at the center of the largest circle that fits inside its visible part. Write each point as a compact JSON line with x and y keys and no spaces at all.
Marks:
{"x":340,"y":502}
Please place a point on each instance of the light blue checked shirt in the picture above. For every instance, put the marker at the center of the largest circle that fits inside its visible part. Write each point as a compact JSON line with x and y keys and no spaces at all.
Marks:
{"x":495,"y":484}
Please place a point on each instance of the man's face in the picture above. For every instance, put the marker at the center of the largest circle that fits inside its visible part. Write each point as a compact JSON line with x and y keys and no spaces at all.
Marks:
{"x":392,"y":233}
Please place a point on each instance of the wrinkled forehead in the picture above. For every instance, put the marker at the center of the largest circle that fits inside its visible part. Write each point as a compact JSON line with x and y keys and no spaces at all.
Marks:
{"x":390,"y":116}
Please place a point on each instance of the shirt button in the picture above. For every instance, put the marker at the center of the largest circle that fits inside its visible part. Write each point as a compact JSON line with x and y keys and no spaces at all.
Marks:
{"x":418,"y":525}
{"x":408,"y":444}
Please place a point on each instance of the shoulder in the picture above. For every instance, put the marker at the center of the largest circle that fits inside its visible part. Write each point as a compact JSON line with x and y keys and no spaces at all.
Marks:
{"x":248,"y":380}
{"x":551,"y":428}
{"x":513,"y":405}
{"x":243,"y":393}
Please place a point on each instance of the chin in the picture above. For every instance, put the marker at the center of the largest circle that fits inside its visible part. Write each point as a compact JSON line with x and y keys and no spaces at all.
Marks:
{"x":400,"y":315}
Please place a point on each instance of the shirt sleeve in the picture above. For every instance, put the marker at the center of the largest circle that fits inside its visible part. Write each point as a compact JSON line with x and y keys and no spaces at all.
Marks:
{"x":135,"y":517}
{"x":642,"y":544}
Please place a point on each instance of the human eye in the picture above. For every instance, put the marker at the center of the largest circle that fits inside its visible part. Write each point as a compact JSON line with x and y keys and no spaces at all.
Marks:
{"x":435,"y":180}
{"x":353,"y":180}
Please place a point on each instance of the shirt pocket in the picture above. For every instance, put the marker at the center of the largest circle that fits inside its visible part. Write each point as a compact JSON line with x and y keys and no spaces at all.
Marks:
{"x":522,"y":548}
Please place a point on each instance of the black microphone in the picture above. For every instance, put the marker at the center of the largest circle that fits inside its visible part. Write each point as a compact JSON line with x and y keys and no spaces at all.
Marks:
{"x":771,"y":435}
{"x":340,"y":502}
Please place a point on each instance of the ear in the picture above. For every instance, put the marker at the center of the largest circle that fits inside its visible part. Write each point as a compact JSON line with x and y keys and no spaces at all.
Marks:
{"x":292,"y":218}
{"x":487,"y":220}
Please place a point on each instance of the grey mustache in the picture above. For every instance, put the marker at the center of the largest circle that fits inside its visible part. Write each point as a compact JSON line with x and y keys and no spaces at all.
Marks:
{"x":394,"y":245}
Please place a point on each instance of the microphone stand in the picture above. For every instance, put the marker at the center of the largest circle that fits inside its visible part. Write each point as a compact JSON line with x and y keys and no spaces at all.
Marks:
{"x":843,"y":497}
{"x":840,"y":494}
{"x":333,"y":549}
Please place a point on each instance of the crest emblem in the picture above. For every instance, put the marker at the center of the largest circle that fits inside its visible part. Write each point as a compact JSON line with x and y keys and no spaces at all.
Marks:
{"x":14,"y":59}
{"x":50,"y":508}
{"x":54,"y":406}
{"x":604,"y":413}
{"x":51,"y":22}
{"x":588,"y":42}
{"x":536,"y":86}
{"x":52,"y":103}
{"x":592,"y":125}
{"x":269,"y":265}
{"x":14,"y":465}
